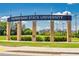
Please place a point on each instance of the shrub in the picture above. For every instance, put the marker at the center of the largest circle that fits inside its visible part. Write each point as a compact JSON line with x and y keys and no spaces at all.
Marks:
{"x":39,"y":38}
{"x":59,"y":38}
{"x":13,"y":38}
{"x":28,"y":38}
{"x":47,"y":38}
{"x":76,"y":35}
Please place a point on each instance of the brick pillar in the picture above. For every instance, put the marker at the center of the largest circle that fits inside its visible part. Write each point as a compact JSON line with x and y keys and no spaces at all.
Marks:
{"x":18,"y":30}
{"x":68,"y":31}
{"x":34,"y":30}
{"x":51,"y":30}
{"x":8,"y":31}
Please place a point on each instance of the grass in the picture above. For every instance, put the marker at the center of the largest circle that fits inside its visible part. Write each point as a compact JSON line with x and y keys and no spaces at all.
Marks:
{"x":2,"y":37}
{"x":41,"y":44}
{"x":75,"y":39}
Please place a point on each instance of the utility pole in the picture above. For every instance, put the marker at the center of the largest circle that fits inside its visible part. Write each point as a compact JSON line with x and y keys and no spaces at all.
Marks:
{"x":76,"y":24}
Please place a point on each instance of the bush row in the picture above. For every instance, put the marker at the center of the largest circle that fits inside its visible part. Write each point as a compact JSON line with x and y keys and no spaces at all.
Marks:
{"x":39,"y":38}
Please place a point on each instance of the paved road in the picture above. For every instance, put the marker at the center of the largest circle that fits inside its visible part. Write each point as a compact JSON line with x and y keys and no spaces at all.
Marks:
{"x":37,"y":51}
{"x":3,"y":54}
{"x":32,"y":54}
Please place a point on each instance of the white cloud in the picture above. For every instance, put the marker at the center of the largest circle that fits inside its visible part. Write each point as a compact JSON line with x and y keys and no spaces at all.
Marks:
{"x":38,"y":28}
{"x":24,"y":22}
{"x":58,"y":13}
{"x":62,"y":13}
{"x":70,"y":3}
{"x":48,"y":27}
{"x":4,"y":18}
{"x":65,"y":12}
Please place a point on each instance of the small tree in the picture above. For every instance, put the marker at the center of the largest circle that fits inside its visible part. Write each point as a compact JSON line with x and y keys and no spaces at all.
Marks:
{"x":2,"y":28}
{"x":27,"y":31}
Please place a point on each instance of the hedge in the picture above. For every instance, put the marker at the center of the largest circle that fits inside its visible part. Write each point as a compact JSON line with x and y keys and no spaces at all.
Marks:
{"x":59,"y":38}
{"x":40,"y":38}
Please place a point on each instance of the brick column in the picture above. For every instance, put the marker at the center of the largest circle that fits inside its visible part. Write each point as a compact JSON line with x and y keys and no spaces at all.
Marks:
{"x":8,"y":31}
{"x":68,"y":31}
{"x":18,"y":30}
{"x":51,"y":30}
{"x":34,"y":30}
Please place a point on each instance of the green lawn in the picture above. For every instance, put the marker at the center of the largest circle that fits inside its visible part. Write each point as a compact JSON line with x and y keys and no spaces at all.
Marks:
{"x":2,"y":37}
{"x":75,"y":39}
{"x":41,"y":44}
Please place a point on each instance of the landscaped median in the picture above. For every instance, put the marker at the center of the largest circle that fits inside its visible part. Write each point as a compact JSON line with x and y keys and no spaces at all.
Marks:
{"x":40,"y":44}
{"x":41,"y":38}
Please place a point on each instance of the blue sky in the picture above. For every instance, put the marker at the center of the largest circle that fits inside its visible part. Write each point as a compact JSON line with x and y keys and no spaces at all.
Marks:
{"x":40,"y":8}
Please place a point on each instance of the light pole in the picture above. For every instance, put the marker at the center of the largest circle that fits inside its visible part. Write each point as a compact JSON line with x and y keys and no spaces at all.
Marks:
{"x":76,"y":24}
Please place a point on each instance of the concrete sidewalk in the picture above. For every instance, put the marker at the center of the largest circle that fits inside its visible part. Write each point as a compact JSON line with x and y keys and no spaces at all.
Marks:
{"x":25,"y":50}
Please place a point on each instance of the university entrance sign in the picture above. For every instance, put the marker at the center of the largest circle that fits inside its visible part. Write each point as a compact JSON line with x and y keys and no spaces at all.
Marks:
{"x":33,"y":18}
{"x":40,"y":17}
